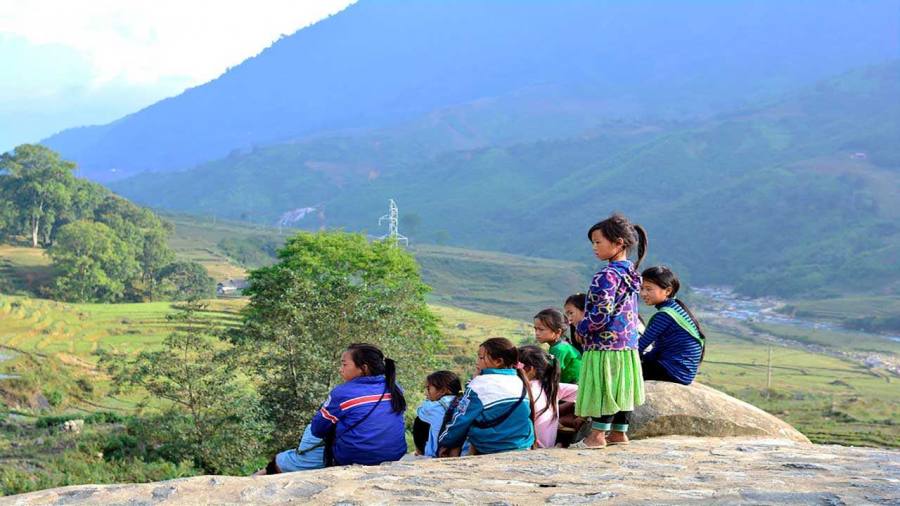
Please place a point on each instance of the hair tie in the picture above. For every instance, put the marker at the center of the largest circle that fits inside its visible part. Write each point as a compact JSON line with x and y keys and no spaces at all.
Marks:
{"x":520,"y":365}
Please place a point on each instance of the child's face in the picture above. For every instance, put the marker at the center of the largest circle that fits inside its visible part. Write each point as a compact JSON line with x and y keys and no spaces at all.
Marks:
{"x":485,"y":361}
{"x":573,"y":314}
{"x":653,"y":294}
{"x":543,"y":334}
{"x":434,"y":393}
{"x":604,"y":249}
{"x":349,"y":370}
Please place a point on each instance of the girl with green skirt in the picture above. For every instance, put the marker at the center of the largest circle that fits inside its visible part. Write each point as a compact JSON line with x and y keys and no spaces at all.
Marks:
{"x":611,"y":382}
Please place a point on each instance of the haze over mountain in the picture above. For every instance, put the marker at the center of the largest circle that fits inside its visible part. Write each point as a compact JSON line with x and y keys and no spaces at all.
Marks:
{"x":793,"y":196}
{"x":381,"y":63}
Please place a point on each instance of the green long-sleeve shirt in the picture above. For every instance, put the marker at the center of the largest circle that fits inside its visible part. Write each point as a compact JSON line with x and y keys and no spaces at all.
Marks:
{"x":569,"y":361}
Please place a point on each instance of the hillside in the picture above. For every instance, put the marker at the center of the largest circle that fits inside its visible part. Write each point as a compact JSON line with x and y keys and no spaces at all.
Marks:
{"x":799,"y":180}
{"x":543,"y":69}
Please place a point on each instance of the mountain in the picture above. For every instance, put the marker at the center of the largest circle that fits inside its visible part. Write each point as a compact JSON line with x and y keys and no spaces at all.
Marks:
{"x":793,"y":196}
{"x":380,"y":63}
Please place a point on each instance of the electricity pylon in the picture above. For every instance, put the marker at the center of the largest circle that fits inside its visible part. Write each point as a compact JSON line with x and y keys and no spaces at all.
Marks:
{"x":393,"y":219}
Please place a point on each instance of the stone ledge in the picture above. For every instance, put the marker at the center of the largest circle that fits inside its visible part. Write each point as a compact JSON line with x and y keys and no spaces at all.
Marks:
{"x":657,"y":470}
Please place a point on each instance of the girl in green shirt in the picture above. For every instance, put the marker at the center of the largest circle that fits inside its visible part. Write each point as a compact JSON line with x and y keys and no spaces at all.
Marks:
{"x":549,"y":326}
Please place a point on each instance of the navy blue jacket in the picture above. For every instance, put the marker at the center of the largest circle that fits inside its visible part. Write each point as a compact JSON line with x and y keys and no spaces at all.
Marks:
{"x":674,"y":348}
{"x":379,"y":438}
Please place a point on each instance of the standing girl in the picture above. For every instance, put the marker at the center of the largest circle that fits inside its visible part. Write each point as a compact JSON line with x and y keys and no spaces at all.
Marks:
{"x":494,"y":414}
{"x":678,"y":342}
{"x":611,"y":384}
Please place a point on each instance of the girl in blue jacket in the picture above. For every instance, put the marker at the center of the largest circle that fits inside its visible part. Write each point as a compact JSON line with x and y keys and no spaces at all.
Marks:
{"x":494,"y":414}
{"x":361,"y":422}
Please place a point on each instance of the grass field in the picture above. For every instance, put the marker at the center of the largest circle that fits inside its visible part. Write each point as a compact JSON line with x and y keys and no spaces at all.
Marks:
{"x":831,"y":399}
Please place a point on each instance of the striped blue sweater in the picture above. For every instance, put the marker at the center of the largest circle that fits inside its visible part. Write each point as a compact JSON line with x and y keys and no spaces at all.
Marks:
{"x":673,"y":347}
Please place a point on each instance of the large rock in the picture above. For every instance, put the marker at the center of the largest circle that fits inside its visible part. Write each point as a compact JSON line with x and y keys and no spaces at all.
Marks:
{"x":672,"y":470}
{"x":698,"y":410}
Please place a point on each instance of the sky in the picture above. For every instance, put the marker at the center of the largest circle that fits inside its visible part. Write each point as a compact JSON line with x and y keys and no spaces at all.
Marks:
{"x":67,"y":63}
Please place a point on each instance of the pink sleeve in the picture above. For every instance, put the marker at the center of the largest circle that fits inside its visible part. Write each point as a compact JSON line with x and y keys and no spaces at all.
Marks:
{"x":567,"y":392}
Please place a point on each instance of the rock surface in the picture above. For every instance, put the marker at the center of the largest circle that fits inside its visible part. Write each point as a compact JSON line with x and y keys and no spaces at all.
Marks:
{"x":657,"y":470}
{"x":698,"y":410}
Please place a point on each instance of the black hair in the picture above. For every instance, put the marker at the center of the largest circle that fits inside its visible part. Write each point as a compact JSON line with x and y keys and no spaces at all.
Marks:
{"x":665,"y":278}
{"x":578,"y":300}
{"x":546,"y":370}
{"x":445,"y":380}
{"x":618,"y":227}
{"x":372,"y":362}
{"x":553,"y":319}
{"x":502,"y":349}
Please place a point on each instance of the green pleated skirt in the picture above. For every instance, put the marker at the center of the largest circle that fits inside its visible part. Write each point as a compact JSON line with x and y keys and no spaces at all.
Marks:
{"x":610,"y":381}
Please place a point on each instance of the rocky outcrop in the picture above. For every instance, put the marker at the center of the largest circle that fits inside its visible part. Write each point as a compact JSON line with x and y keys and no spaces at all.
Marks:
{"x":657,"y":470}
{"x":698,"y":410}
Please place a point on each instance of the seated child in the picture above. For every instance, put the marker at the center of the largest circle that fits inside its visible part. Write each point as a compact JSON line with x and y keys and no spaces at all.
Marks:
{"x":678,"y":343}
{"x":309,"y":454}
{"x":574,"y":311}
{"x":494,"y":414}
{"x":542,"y":371}
{"x":549,"y":326}
{"x":362,"y":420}
{"x":442,"y":392}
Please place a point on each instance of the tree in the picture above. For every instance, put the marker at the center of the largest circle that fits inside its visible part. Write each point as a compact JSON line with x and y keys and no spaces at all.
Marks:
{"x":328,"y":290}
{"x":39,"y":183}
{"x":185,"y":280}
{"x":92,"y":262}
{"x":210,"y":415}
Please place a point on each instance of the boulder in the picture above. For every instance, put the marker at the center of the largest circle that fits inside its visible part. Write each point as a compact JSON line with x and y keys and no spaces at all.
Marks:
{"x":698,"y":410}
{"x":669,"y":470}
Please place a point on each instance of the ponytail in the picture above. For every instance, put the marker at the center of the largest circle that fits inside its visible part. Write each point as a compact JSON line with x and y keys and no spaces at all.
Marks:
{"x":642,"y":244}
{"x":372,"y":361}
{"x":398,"y":401}
{"x":527,"y":386}
{"x":546,"y":369}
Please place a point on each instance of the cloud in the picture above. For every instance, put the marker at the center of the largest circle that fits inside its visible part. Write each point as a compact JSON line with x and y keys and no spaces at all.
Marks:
{"x":144,"y":41}
{"x":76,"y":62}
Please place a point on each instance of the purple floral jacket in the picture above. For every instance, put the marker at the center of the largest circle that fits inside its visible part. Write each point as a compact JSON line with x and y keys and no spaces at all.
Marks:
{"x":611,"y":310}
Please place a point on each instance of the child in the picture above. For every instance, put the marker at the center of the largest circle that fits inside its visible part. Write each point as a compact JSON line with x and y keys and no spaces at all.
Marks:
{"x":442,"y":392}
{"x":361,"y":422}
{"x":549,"y":326}
{"x":494,"y":413}
{"x":542,"y":371}
{"x":611,"y":385}
{"x":678,"y":342}
{"x":574,"y":310}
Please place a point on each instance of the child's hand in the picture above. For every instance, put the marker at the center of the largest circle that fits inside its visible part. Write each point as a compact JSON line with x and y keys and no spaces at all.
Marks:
{"x":449,"y":452}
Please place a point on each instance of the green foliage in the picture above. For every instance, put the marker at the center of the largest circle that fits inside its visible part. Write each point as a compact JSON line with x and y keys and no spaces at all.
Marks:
{"x":253,"y":251}
{"x":94,"y":263}
{"x":39,"y":184}
{"x":99,"y":417}
{"x":88,"y":458}
{"x":211,"y":417}
{"x":185,"y":280}
{"x":104,"y":248}
{"x":329,"y":290}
